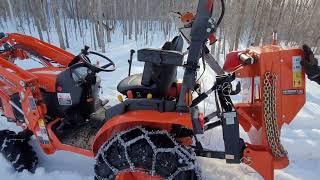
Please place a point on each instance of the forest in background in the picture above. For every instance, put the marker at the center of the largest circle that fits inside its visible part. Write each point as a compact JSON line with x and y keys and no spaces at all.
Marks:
{"x":246,"y":22}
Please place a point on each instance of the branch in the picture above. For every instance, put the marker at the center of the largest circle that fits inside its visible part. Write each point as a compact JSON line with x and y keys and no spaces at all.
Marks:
{"x":107,"y":27}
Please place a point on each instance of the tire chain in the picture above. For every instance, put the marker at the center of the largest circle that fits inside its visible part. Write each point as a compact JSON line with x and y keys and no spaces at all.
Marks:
{"x":183,"y":153}
{"x":12,"y":137}
{"x":270,"y":115}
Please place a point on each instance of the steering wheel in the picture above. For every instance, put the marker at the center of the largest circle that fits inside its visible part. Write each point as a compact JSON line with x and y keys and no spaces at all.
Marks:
{"x":108,"y":67}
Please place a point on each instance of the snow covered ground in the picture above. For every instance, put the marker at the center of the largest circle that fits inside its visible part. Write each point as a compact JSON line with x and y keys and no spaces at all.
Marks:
{"x":301,"y":138}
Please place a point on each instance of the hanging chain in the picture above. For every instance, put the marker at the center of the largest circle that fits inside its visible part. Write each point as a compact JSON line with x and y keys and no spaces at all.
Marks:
{"x":270,"y":115}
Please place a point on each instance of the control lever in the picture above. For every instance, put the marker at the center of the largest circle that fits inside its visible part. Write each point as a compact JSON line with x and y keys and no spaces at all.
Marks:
{"x":77,"y":58}
{"x":130,"y":61}
{"x":6,"y":47}
{"x":85,"y":50}
{"x":2,"y":35}
{"x":237,"y":90}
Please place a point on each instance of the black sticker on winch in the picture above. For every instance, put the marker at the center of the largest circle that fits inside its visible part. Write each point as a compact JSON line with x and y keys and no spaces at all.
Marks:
{"x":293,"y":92}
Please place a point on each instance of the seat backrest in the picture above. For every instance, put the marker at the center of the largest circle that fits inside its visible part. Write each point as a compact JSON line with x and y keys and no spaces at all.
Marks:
{"x":163,"y":75}
{"x":177,"y":44}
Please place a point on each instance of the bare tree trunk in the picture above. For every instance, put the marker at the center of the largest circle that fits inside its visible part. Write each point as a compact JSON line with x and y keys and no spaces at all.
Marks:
{"x":57,"y":23}
{"x":280,"y":14}
{"x":108,"y":29}
{"x":260,"y":27}
{"x":307,"y":29}
{"x":39,"y":29}
{"x":241,"y":23}
{"x":36,"y":18}
{"x":109,"y":35}
{"x":220,"y":42}
{"x":98,"y":26}
{"x":213,"y":49}
{"x":28,"y":15}
{"x":78,"y":18}
{"x":147,"y":34}
{"x":44,"y":12}
{"x":293,"y":21}
{"x":66,"y":33}
{"x":94,"y":36}
{"x":136,"y":22}
{"x":253,"y":21}
{"x":10,"y":9}
{"x":130,"y":28}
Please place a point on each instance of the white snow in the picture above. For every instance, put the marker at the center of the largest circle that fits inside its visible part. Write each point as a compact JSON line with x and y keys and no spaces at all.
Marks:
{"x":301,"y":138}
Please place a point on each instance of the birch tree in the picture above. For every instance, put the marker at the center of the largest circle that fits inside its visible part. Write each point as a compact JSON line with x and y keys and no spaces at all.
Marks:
{"x":57,"y":23}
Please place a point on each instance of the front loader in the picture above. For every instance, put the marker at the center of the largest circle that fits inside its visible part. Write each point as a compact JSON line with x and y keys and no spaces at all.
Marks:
{"x":152,"y":134}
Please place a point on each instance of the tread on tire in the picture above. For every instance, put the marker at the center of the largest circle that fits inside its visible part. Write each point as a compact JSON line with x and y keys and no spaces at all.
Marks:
{"x":153,"y":152}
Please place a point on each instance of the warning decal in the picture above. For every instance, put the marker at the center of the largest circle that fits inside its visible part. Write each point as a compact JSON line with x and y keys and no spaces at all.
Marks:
{"x":292,"y":92}
{"x":42,"y":133}
{"x":64,"y":99}
{"x":297,"y":71}
{"x":32,"y":103}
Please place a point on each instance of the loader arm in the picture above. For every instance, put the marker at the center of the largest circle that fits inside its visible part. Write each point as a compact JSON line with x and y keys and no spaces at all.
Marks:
{"x":20,"y":94}
{"x":41,"y":48}
{"x":16,"y":80}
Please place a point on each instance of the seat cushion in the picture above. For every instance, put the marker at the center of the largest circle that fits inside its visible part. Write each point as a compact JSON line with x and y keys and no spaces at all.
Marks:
{"x":133,"y":83}
{"x":160,"y":70}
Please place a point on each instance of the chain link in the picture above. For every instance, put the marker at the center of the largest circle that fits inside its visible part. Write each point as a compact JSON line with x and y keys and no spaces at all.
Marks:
{"x":270,"y":115}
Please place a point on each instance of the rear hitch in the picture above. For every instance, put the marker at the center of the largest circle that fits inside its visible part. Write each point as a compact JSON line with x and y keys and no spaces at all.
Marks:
{"x":234,"y":145}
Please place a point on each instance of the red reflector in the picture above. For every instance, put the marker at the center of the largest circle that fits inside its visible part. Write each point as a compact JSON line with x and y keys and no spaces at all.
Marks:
{"x":59,"y":88}
{"x":130,"y":94}
{"x":90,"y":100}
{"x":212,"y":38}
{"x":201,"y":120}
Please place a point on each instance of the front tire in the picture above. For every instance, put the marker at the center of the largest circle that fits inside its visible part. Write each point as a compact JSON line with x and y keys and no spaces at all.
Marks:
{"x":17,"y":151}
{"x":152,"y":152}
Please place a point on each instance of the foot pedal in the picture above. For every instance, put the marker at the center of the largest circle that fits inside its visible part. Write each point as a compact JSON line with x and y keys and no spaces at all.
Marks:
{"x":99,"y":103}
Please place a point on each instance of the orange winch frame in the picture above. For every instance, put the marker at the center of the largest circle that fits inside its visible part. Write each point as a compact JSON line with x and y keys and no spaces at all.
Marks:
{"x":290,"y":98}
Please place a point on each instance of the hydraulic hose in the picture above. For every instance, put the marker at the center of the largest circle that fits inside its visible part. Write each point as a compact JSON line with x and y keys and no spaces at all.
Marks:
{"x":223,"y":8}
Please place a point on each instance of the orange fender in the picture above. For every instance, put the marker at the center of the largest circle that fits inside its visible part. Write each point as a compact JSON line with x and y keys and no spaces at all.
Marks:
{"x":153,"y":119}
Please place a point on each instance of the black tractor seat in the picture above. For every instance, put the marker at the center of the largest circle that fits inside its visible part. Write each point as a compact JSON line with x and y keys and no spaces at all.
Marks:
{"x":133,"y":83}
{"x":160,"y":70}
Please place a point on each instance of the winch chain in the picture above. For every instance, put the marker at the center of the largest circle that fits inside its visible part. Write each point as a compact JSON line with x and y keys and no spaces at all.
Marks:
{"x":270,"y":115}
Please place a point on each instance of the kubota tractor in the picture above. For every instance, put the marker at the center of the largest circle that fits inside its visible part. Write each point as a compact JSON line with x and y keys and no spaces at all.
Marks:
{"x":152,"y":133}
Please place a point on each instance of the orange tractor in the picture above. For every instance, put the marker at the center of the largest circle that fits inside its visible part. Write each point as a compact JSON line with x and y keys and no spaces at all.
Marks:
{"x":152,"y":133}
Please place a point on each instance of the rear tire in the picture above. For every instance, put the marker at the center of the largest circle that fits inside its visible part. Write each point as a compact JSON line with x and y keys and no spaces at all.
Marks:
{"x":153,"y":152}
{"x":17,"y":151}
